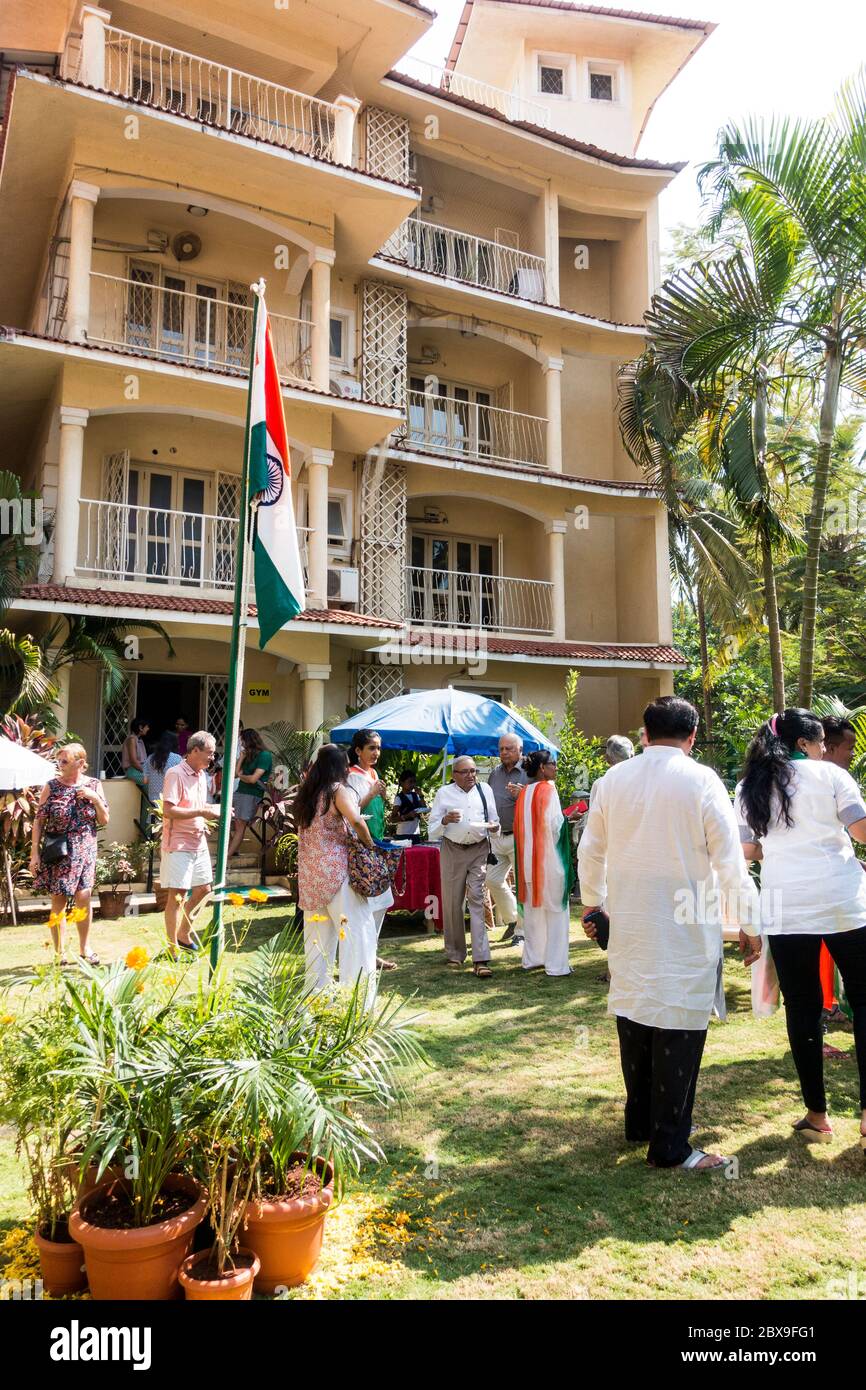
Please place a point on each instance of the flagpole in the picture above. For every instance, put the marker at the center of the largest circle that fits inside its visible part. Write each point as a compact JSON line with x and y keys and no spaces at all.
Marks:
{"x":240,"y":623}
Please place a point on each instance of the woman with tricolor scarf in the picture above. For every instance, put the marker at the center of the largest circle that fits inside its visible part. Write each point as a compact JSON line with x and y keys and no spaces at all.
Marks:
{"x":543,"y":870}
{"x":798,"y":815}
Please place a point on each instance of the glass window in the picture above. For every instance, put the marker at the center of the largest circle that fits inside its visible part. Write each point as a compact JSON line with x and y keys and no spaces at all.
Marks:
{"x":551,"y":80}
{"x":338,"y":331}
{"x":601,"y":86}
{"x":336,"y":521}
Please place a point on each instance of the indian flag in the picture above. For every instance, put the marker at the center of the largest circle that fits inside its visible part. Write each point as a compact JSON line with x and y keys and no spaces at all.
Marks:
{"x":542,"y":848}
{"x":279,"y":574}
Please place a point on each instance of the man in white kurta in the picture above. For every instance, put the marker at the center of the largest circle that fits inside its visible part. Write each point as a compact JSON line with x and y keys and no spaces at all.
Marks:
{"x":661,"y":850}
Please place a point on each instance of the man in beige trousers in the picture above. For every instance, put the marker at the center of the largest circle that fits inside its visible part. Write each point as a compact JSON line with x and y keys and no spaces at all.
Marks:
{"x":462,"y":817}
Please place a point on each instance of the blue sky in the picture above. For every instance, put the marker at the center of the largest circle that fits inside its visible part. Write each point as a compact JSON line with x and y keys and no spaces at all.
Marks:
{"x":766,"y":56}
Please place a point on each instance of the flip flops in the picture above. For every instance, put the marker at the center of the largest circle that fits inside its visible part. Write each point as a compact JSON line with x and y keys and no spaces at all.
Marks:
{"x":811,"y":1134}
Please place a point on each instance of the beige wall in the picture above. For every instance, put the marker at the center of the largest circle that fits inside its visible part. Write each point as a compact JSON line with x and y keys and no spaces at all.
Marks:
{"x":588,"y":400}
{"x":38,"y":26}
{"x":585,"y":291}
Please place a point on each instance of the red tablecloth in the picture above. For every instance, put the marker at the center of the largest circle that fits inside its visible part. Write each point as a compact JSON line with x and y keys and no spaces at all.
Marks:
{"x":423,"y":891}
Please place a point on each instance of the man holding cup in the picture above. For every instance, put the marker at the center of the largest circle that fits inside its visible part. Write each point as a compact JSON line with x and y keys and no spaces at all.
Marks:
{"x":462,"y":817}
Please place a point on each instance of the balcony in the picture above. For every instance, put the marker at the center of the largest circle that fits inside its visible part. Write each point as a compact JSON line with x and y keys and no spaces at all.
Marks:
{"x":178,"y":325}
{"x":472,"y":430}
{"x":168,"y":79}
{"x":476,"y":261}
{"x":122,"y":542}
{"x":494,"y":603}
{"x":459,"y":84}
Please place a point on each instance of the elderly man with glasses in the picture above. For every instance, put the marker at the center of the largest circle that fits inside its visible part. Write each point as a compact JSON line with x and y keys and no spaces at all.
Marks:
{"x":462,"y":817}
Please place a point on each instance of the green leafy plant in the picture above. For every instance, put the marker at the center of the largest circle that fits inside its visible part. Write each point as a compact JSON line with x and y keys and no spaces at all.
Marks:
{"x":118,"y":864}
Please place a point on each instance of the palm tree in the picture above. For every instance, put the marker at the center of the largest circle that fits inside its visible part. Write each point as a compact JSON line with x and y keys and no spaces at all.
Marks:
{"x":799,"y":188}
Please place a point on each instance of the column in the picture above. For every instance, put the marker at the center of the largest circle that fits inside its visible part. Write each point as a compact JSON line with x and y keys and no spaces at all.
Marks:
{"x":321,"y":332}
{"x":82,"y":201}
{"x":551,"y":244}
{"x":319,"y":462}
{"x":556,"y":531}
{"x":552,"y":369}
{"x":313,"y":681}
{"x":347,"y":109}
{"x":92,"y":69}
{"x":61,"y":704}
{"x":71,"y":462}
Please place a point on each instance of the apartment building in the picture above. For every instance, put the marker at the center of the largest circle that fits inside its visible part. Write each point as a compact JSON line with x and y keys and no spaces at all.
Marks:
{"x":457,"y":263}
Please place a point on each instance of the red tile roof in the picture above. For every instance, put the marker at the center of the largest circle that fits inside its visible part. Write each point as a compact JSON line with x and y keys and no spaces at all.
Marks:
{"x":183,"y":603}
{"x":623,"y":161}
{"x":572,"y":651}
{"x":634,"y":15}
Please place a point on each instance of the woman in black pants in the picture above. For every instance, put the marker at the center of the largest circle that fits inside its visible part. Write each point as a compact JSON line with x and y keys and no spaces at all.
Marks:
{"x":798,"y":816}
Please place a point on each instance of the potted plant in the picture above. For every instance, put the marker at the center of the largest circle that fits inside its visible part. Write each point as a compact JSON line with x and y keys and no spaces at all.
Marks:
{"x":136,"y":1224}
{"x":286,"y":860}
{"x":291,"y":1077}
{"x":36,"y":1101}
{"x":117,"y":866}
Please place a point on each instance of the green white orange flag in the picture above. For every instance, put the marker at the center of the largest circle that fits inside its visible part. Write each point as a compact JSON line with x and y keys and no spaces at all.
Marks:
{"x":542,"y":849}
{"x":279,"y":574}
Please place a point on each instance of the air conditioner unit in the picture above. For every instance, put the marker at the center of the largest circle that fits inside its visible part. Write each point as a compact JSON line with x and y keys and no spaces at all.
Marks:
{"x":343,"y":586}
{"x":347,"y":387}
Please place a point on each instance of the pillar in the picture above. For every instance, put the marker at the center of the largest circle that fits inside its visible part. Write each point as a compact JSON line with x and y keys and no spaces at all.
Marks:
{"x":551,"y":244}
{"x":313,"y":681}
{"x":70,"y":467}
{"x":321,"y":330}
{"x":319,"y":462}
{"x":346,"y":118}
{"x":552,"y":369}
{"x":82,"y":201}
{"x":556,"y":531}
{"x":92,"y":68}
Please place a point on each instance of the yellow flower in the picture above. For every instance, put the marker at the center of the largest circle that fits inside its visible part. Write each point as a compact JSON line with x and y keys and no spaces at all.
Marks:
{"x":137,"y":958}
{"x":7,"y":1019}
{"x":171,"y":980}
{"x":314,"y":917}
{"x":178,"y":897}
{"x":139,"y":989}
{"x":255,"y":895}
{"x":77,"y":914}
{"x":236,"y":899}
{"x":56,"y":919}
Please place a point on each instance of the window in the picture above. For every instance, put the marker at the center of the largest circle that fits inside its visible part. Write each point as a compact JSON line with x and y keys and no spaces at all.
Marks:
{"x":340,"y":335}
{"x":603,"y":82}
{"x":551,"y":80}
{"x":339,"y":521}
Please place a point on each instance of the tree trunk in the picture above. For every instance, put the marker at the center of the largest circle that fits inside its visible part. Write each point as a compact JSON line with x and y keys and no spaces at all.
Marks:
{"x":815,"y":525}
{"x":705,"y":669}
{"x":771,"y":607}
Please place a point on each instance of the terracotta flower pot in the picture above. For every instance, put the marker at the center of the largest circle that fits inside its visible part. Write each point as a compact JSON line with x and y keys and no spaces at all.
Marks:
{"x":140,"y":1262}
{"x":112,"y":905}
{"x":232,"y":1288}
{"x":62,"y":1264}
{"x":287,"y":1235}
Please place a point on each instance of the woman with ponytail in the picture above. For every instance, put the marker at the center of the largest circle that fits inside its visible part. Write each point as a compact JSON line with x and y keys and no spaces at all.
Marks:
{"x":798,"y":816}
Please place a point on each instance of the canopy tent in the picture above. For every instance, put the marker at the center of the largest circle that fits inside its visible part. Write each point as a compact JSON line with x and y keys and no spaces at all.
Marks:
{"x":19,"y":768}
{"x":443,"y":721}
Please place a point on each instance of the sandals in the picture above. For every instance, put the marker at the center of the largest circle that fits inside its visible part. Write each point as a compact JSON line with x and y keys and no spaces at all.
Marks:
{"x":811,"y":1133}
{"x":482,"y":970}
{"x":695,"y":1158}
{"x":90,"y":956}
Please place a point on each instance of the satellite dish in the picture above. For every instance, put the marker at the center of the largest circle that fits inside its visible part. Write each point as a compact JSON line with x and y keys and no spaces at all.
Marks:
{"x":186,"y":246}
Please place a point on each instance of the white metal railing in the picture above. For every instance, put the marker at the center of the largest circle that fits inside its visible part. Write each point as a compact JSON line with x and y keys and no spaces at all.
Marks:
{"x":169,"y":79}
{"x":498,"y":603}
{"x":177,"y":325}
{"x":473,"y":259}
{"x":473,"y":430}
{"x":508,"y":104}
{"x":122,"y":541}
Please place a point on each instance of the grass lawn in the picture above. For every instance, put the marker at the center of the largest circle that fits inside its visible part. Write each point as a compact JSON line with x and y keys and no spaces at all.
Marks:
{"x":507,"y":1173}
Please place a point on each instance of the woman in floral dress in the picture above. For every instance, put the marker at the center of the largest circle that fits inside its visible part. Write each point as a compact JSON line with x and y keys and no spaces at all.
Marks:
{"x":72,"y":805}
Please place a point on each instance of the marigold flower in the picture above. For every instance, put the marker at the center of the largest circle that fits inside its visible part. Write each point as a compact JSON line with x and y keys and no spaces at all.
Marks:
{"x":77,"y":914}
{"x":7,"y":1019}
{"x":255,"y":895}
{"x":137,"y":958}
{"x":236,"y":899}
{"x":56,"y":919}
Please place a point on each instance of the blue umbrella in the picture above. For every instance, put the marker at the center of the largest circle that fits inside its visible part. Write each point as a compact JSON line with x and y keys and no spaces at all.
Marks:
{"x":450,"y":721}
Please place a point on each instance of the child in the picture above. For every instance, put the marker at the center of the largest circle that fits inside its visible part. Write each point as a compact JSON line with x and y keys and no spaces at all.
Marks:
{"x":408,"y":807}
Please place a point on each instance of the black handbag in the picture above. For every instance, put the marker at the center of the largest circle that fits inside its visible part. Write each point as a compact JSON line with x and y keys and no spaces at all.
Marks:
{"x":54,"y":848}
{"x":491,"y":857}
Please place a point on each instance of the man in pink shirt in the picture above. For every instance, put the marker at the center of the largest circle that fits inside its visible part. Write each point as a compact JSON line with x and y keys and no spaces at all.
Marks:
{"x":185,"y":864}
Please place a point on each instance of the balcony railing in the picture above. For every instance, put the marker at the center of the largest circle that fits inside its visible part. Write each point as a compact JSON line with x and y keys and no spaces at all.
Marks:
{"x":469,"y":429}
{"x":169,"y":79}
{"x":472,"y":259}
{"x":514,"y":108}
{"x":120,"y":541}
{"x":497,"y":603}
{"x":177,"y":325}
